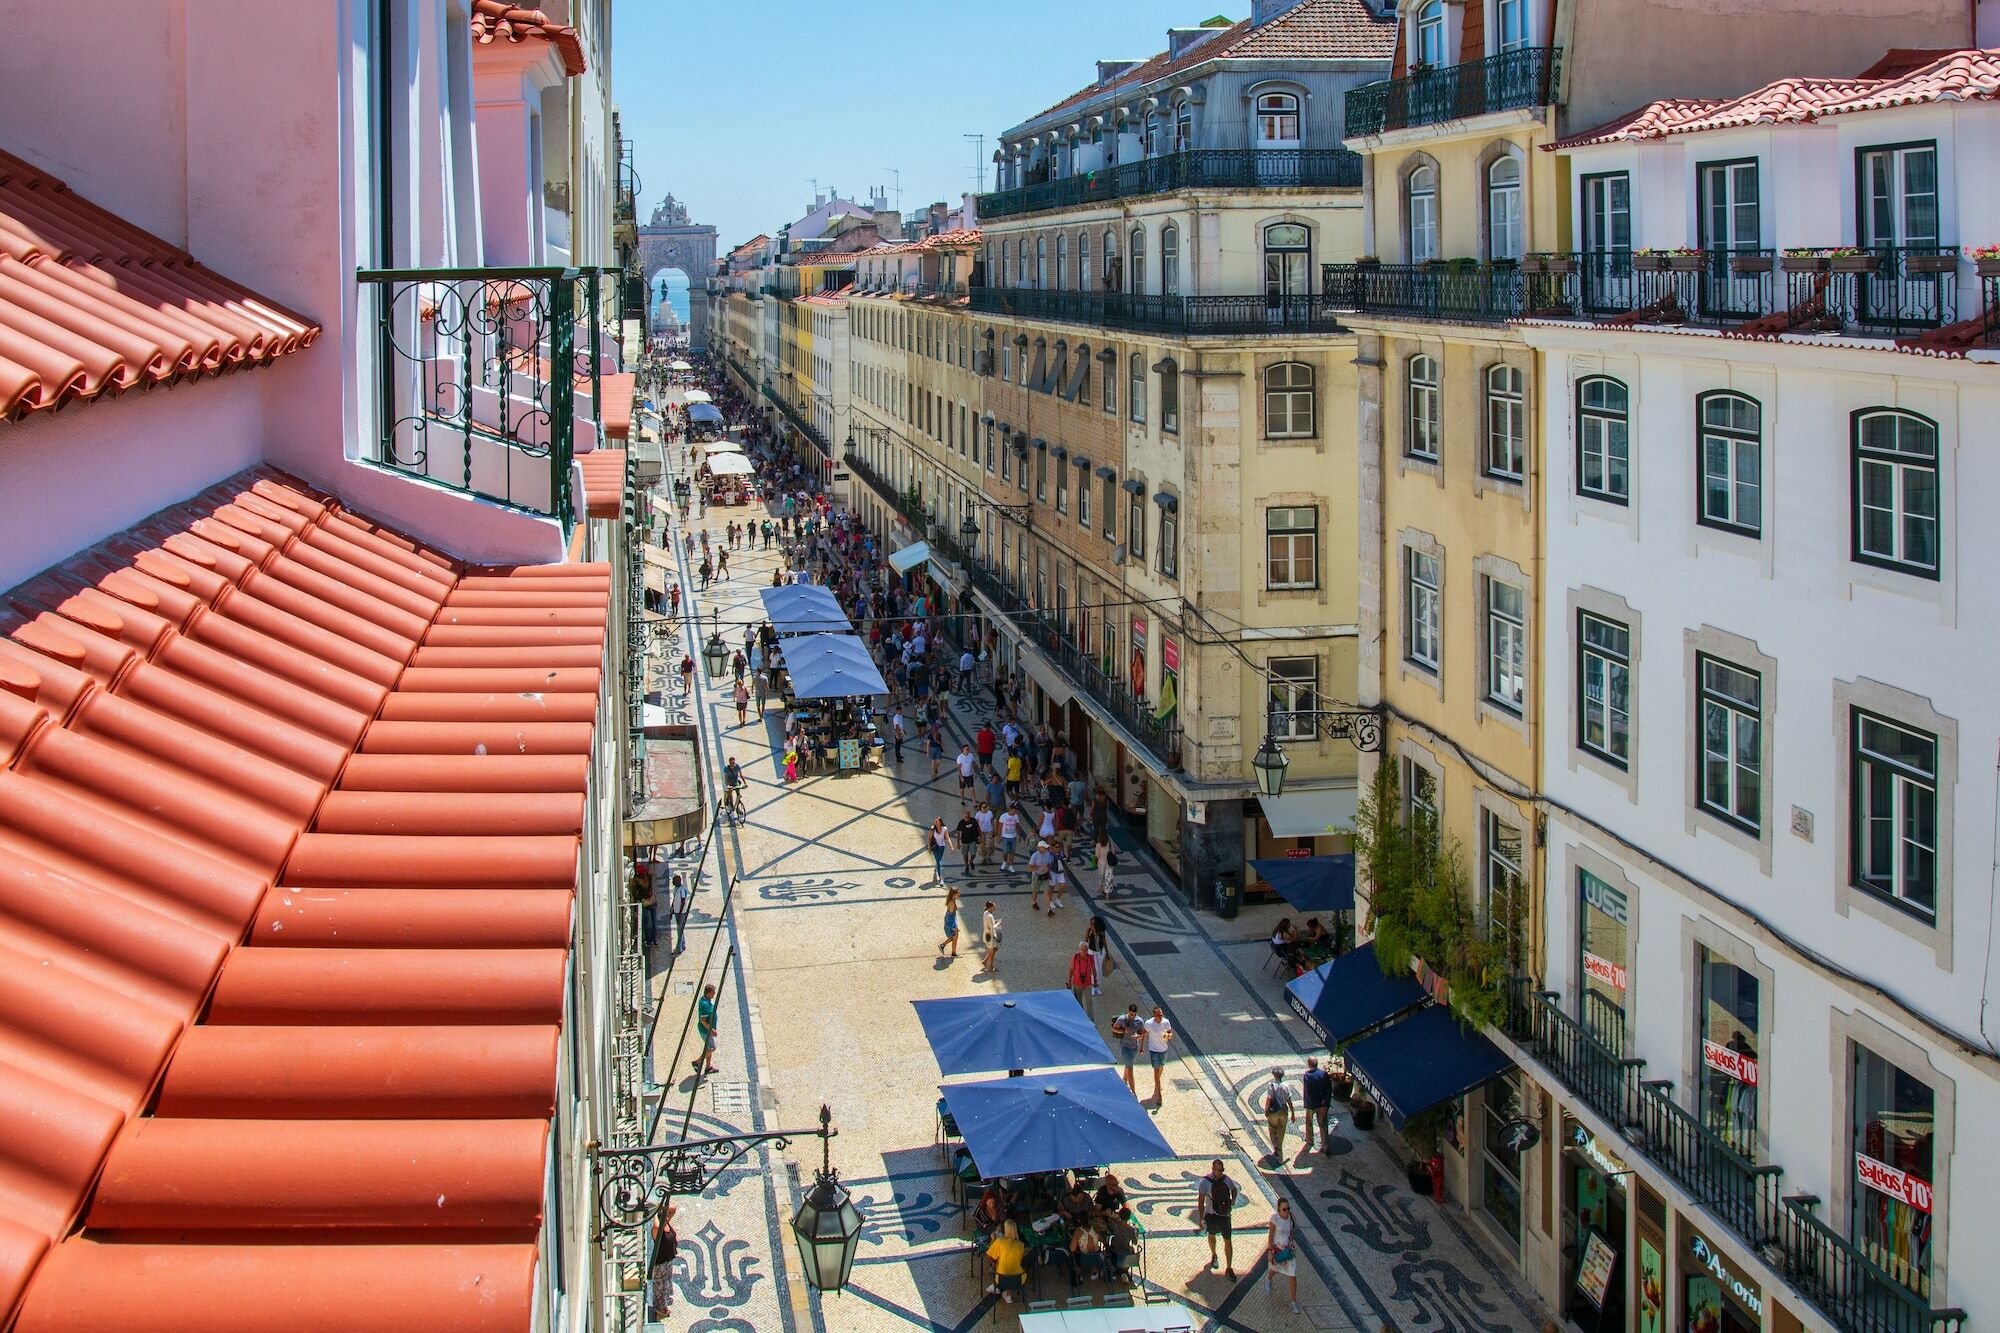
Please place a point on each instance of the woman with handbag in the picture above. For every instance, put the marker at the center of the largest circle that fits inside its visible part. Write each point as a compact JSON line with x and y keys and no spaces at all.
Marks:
{"x":1280,"y":1252}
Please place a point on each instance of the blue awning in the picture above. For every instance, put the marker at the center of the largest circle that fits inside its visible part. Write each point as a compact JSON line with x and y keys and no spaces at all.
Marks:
{"x":1427,"y":1058}
{"x":1052,"y":1122}
{"x":804,"y":608}
{"x":1311,"y":883}
{"x":704,"y":412}
{"x":978,"y":1034}
{"x":910,"y":557}
{"x":831,"y":666}
{"x":1343,"y":998}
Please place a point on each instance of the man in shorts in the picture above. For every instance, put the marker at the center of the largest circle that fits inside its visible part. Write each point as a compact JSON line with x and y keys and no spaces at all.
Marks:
{"x":1130,"y":1030}
{"x":983,"y":817}
{"x":1215,"y":1196}
{"x":1010,"y":836}
{"x":968,"y":763}
{"x":1038,"y":875}
{"x":1159,"y":1035}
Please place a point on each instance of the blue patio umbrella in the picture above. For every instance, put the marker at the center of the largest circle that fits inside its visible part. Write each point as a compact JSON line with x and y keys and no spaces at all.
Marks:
{"x":804,"y":608}
{"x":977,"y":1034}
{"x":1311,"y":883}
{"x":1052,"y":1122}
{"x":831,"y":666}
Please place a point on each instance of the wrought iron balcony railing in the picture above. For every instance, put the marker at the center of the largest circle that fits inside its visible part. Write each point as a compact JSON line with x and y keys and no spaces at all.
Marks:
{"x":1510,"y":81}
{"x":1821,"y":1265}
{"x":1194,"y":169}
{"x":1186,"y":315}
{"x":481,"y":375}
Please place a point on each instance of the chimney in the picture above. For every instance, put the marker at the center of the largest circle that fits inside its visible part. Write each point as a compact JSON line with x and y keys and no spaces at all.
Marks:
{"x":887,"y":224}
{"x":1107,"y":70}
{"x":1263,"y":11}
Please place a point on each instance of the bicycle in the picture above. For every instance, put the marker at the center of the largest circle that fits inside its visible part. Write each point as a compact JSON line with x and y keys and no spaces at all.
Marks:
{"x":732,"y":801}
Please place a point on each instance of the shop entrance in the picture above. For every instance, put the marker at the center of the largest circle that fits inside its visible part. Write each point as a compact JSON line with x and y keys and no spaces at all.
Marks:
{"x":1594,"y":1231}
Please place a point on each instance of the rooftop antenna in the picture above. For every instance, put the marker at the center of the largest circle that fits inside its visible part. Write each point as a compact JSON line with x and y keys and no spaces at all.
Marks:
{"x":978,"y":159}
{"x":814,"y":182}
{"x":899,"y":188}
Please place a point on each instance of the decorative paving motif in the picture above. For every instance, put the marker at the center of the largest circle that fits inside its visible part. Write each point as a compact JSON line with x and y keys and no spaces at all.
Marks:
{"x":719,"y":1274}
{"x":1379,"y":1216}
{"x":1147,"y":910}
{"x":1445,"y":1298}
{"x":804,"y":890}
{"x":903,"y":1214}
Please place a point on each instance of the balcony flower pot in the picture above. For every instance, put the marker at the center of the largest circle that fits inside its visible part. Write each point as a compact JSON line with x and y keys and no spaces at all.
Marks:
{"x":1343,"y":1087}
{"x":1750,"y":263}
{"x":1858,"y":263}
{"x":1930,"y":263}
{"x":1804,"y":263}
{"x":1561,"y":264}
{"x":1536,"y":264}
{"x":1650,"y":263}
{"x":1372,"y":261}
{"x":1987,"y":266}
{"x":1686,"y":263}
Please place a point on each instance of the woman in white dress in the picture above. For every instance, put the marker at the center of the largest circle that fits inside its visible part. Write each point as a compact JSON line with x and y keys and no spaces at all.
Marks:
{"x":1282,"y":1258}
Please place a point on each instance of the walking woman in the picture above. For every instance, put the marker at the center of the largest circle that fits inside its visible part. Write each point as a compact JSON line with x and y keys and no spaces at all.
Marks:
{"x":950,"y":922}
{"x":939,"y":842}
{"x":1098,"y":946}
{"x":1278,"y":1249}
{"x":1107,"y":863}
{"x":990,"y":932}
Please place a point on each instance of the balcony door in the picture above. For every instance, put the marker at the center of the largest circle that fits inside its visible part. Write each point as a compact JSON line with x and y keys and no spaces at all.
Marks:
{"x":1287,"y":269}
{"x":1512,"y":25}
{"x":1607,"y":241}
{"x":1898,"y":217}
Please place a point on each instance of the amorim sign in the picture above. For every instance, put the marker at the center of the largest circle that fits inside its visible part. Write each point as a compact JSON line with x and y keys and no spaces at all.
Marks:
{"x":1734,"y":1285}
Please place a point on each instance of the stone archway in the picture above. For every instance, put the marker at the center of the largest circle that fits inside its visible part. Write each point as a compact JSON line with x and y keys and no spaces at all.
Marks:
{"x":671,"y":241}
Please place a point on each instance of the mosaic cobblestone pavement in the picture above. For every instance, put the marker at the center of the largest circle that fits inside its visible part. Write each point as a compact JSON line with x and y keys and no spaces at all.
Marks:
{"x":831,"y":931}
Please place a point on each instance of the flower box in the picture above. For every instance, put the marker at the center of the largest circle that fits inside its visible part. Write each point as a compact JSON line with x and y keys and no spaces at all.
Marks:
{"x":1804,"y":263}
{"x":1930,"y":263}
{"x":1856,"y":263}
{"x":1651,"y":263}
{"x":1750,"y":263}
{"x":1987,"y":266}
{"x":1686,"y":263}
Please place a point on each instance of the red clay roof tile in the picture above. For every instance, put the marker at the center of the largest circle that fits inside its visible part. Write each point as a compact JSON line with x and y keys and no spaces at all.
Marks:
{"x":207,"y":814}
{"x":91,"y":305}
{"x":496,"y":19}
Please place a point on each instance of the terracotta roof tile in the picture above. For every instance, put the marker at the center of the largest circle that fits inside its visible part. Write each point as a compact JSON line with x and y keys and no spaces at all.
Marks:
{"x":333,"y":940}
{"x":617,"y":392}
{"x":603,"y":472}
{"x":497,"y":20}
{"x":1314,"y":30}
{"x":1952,"y":77}
{"x":91,"y":305}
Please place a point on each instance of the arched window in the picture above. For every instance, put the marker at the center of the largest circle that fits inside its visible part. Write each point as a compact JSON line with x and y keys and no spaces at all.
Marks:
{"x":1731,"y":450}
{"x":1170,"y":395}
{"x":1136,"y":262}
{"x":1604,"y":439}
{"x":1430,"y":35}
{"x":1170,"y":260}
{"x":1062,"y":259}
{"x":1287,"y":261}
{"x":1084,"y":276}
{"x":1896,"y":478}
{"x":1506,"y":422}
{"x":1277,"y":120}
{"x":1041,"y":262}
{"x":1288,"y":401}
{"x":1110,"y":261}
{"x":1183,"y":127}
{"x":1149,"y":137}
{"x":1503,"y":208}
{"x":1420,"y":212}
{"x":1421,"y":428}
{"x":1135,"y":388}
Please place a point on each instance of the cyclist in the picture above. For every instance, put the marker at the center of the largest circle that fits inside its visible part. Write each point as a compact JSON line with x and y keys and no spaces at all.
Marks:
{"x":732,"y":787}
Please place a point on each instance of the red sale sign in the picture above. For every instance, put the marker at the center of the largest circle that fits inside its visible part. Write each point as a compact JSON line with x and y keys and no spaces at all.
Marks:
{"x":1741,"y":1067}
{"x":1898,"y":1185}
{"x":1606,"y":971}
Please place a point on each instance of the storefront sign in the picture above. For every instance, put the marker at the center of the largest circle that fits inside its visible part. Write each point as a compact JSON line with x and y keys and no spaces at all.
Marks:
{"x":1737,"y":1065}
{"x":1593,"y":1272}
{"x":1520,"y":1135}
{"x":1710,"y":1261}
{"x":1606,"y":971}
{"x":1170,"y":654}
{"x":1139,"y":656}
{"x":1898,"y":1185}
{"x":1586,"y":1145}
{"x":1298,"y":853}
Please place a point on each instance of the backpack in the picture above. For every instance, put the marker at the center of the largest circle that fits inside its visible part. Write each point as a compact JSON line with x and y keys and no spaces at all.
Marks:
{"x":1221,"y":1195}
{"x":1274,"y":1101}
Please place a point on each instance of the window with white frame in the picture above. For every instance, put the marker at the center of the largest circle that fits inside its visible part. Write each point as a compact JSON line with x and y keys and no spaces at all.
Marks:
{"x":1503,"y":208}
{"x":1603,"y":439}
{"x":1896,"y":491}
{"x":1420,"y":792}
{"x":1732,"y":462}
{"x":1135,"y":260}
{"x":1420,"y":214}
{"x":1291,"y":547}
{"x":1083,"y":499}
{"x":1170,"y":395}
{"x":1183,"y":127}
{"x":1062,"y":486}
{"x":1084,"y":277}
{"x":1423,"y":608}
{"x":1506,"y":422}
{"x":1170,"y":260}
{"x":1294,"y":694}
{"x":1731,"y":704}
{"x":1135,"y":388}
{"x":1110,"y":260}
{"x":1170,"y":541}
{"x":1042,"y":262}
{"x":1604,"y":688}
{"x":1501,"y":885}
{"x":1422,"y":427}
{"x":1110,"y":507}
{"x":1062,"y":260}
{"x":1289,"y":408}
{"x":1512,"y":26}
{"x":1041,"y":474}
{"x":1135,"y":527}
{"x":1277,"y":120}
{"x":1894,"y":822}
{"x":1506,"y":646}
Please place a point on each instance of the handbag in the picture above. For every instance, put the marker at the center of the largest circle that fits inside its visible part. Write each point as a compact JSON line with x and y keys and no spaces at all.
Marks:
{"x":1283,"y":1256}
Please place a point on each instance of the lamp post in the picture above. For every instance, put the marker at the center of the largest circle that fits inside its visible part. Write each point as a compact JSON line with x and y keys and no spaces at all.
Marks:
{"x":1361,"y":726}
{"x":715,"y":655}
{"x":636,"y":1184}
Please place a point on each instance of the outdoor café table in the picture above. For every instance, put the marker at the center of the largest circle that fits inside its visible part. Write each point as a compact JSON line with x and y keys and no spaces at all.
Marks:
{"x":1152,"y":1318}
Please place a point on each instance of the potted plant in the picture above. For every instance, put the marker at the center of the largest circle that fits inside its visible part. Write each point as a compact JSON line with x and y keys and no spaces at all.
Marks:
{"x":1424,"y":1136}
{"x":1649,"y":261}
{"x":1847,"y":259}
{"x":1369,"y":259}
{"x":1685,"y":259}
{"x":1943,"y":262}
{"x":1750,"y":263}
{"x":1805,"y":259}
{"x":1985,"y":260}
{"x":1363,"y":1112}
{"x":1462,"y":264}
{"x":1343,"y":1082}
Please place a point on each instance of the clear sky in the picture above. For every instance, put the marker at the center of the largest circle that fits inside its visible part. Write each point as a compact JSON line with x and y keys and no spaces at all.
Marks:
{"x":736,"y":105}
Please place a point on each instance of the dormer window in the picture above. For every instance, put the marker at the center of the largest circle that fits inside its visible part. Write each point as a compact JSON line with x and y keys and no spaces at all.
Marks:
{"x":1277,"y":120}
{"x":1512,"y":25}
{"x":1430,"y":35}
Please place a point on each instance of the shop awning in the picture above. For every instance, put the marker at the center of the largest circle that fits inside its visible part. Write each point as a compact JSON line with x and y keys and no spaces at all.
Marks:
{"x":1311,"y":883}
{"x":1046,"y":676}
{"x":1427,"y":1058}
{"x":1343,"y":998}
{"x":703,"y":412}
{"x":1311,"y":814}
{"x":909,"y":557}
{"x":679,"y":365}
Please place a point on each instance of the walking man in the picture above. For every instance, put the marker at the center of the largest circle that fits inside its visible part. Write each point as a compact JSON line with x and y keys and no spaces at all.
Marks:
{"x":1130,"y":1030}
{"x":897,"y":731}
{"x":704,"y":1023}
{"x":680,"y":900}
{"x":1277,"y":1106}
{"x":1318,"y":1087}
{"x":1083,"y":978}
{"x":968,"y":763}
{"x":1159,"y":1035}
{"x":1215,"y":1197}
{"x":968,"y":837}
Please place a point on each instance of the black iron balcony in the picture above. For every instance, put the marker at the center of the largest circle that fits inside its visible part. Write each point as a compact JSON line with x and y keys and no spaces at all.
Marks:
{"x":1510,"y":81}
{"x":1458,"y":292}
{"x":1826,"y":1268}
{"x":1184,"y":315}
{"x":1194,"y":169}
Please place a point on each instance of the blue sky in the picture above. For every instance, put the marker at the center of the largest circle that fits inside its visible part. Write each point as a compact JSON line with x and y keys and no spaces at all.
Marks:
{"x":735,"y":106}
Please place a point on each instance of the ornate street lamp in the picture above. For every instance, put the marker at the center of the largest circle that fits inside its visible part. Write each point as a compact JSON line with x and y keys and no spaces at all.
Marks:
{"x":827,"y":1226}
{"x":968,"y":528}
{"x":715,"y":656}
{"x":1270,"y":763}
{"x":1362,"y":727}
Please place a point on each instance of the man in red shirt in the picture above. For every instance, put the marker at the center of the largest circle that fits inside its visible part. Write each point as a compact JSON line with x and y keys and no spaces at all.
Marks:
{"x":984,"y":743}
{"x":1083,"y":977}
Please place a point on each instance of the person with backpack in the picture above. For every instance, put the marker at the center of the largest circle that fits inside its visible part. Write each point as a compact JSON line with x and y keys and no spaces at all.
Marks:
{"x":1215,"y":1197}
{"x":1318,"y":1086}
{"x":1276,"y":1102}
